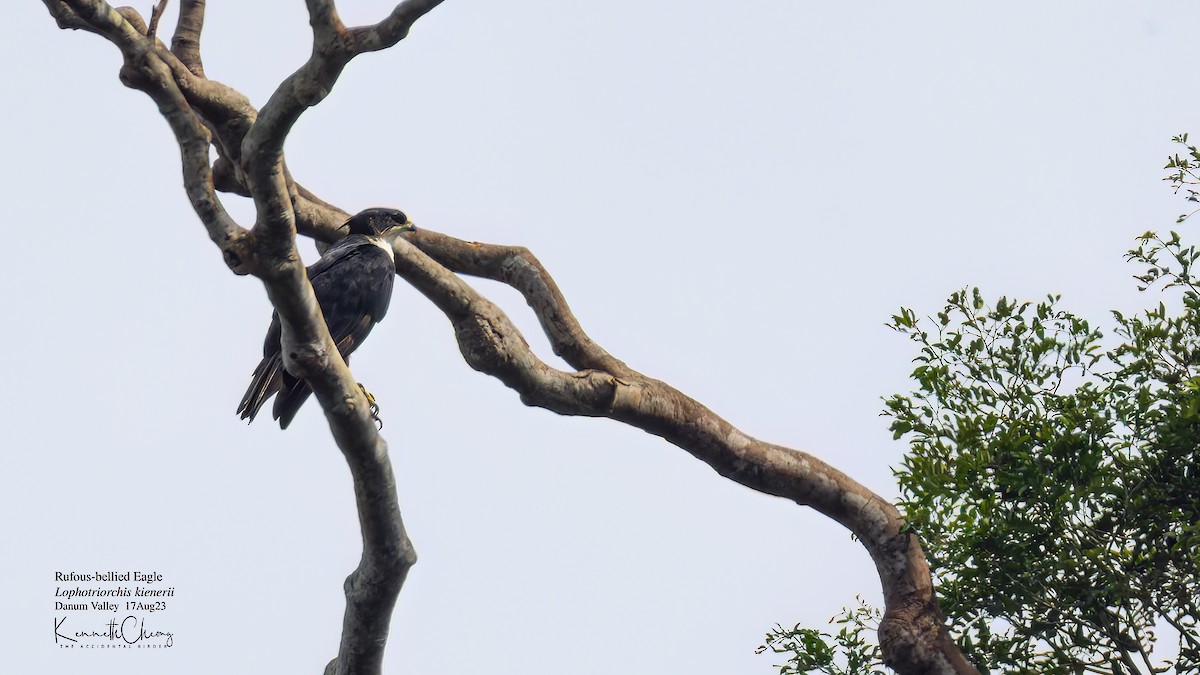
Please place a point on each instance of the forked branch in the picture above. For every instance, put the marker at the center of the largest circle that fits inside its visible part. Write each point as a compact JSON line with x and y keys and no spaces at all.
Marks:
{"x":203,"y":113}
{"x":911,"y":632}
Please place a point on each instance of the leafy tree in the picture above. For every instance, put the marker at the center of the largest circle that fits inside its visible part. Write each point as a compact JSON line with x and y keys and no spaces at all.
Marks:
{"x":1053,"y":476}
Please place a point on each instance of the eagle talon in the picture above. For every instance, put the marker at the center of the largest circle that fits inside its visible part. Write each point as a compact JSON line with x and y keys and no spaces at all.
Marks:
{"x":373,"y":405}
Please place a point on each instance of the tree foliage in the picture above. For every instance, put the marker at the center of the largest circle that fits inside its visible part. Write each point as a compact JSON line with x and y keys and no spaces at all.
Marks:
{"x":1052,"y":474}
{"x":847,"y":652}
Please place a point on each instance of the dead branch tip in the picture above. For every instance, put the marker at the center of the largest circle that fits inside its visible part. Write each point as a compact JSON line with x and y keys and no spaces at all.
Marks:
{"x":156,"y":13}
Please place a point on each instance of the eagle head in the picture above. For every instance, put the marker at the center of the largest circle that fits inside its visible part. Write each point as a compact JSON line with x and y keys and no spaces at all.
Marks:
{"x":375,"y":222}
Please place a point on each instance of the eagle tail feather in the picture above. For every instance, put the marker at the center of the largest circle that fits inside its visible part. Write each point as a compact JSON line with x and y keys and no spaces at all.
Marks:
{"x":293,"y":392}
{"x":265,"y":382}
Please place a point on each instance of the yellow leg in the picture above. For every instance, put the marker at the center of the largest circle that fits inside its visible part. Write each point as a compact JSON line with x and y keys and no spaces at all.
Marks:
{"x":373,"y":404}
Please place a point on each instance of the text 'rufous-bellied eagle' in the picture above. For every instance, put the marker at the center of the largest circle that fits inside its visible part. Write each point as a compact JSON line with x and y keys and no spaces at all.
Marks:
{"x":353,"y":284}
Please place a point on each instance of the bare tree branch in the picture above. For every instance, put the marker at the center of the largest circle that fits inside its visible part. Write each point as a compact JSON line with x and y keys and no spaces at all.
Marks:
{"x":333,"y":48}
{"x":393,"y":29}
{"x":193,"y":106}
{"x":517,"y":267}
{"x":135,"y":19}
{"x":155,"y":16}
{"x":66,"y":18}
{"x":374,"y":586}
{"x":326,"y":24}
{"x":911,"y":631}
{"x":186,"y":42}
{"x":144,"y":71}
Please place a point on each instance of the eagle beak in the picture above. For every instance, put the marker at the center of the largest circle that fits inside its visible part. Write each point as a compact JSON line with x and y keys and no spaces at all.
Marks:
{"x":397,"y":230}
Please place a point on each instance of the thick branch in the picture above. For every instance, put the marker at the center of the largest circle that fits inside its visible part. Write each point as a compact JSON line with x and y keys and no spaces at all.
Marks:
{"x":333,"y":48}
{"x":326,"y":24}
{"x":143,"y":70}
{"x":66,"y":18}
{"x":186,"y":42}
{"x":193,"y":106}
{"x":392,"y":29}
{"x":911,"y":633}
{"x":374,"y":586}
{"x":517,"y":267}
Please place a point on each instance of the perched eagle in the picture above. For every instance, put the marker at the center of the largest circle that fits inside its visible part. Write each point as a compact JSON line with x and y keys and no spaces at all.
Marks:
{"x":353,"y":284}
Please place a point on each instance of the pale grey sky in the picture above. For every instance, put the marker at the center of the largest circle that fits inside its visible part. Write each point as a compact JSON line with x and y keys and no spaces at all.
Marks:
{"x":734,"y":197}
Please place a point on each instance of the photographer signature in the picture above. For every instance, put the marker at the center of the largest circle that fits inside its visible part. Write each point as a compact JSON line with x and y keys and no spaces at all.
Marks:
{"x":129,"y":630}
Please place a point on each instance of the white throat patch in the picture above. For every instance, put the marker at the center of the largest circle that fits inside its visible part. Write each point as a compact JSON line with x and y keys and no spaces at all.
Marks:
{"x":379,"y":241}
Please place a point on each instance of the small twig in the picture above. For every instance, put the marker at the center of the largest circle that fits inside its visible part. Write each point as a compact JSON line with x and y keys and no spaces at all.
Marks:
{"x":156,"y":13}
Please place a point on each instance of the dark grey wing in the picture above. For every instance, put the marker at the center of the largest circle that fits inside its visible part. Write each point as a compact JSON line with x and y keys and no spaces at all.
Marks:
{"x":344,"y":247}
{"x":353,"y":284}
{"x":354,"y":294}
